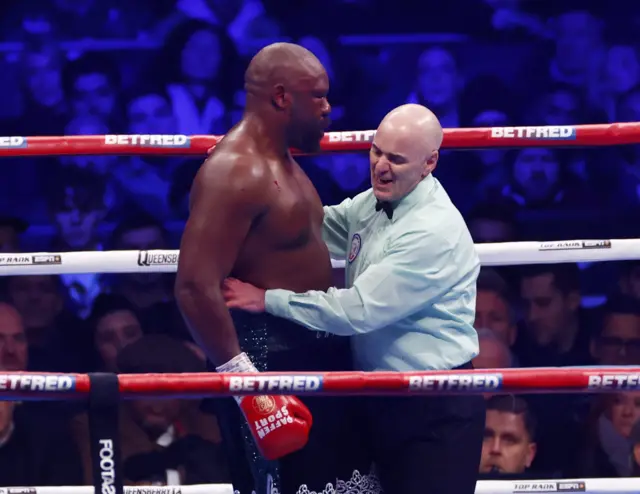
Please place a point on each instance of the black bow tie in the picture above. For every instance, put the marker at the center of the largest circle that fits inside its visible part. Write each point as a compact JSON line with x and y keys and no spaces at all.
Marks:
{"x":386,"y":207}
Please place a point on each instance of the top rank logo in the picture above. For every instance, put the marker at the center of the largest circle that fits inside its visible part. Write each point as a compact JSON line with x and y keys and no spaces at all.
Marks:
{"x":15,"y":260}
{"x":151,"y":140}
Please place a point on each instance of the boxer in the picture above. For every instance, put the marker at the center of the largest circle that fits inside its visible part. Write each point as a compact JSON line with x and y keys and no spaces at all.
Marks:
{"x":256,"y":216}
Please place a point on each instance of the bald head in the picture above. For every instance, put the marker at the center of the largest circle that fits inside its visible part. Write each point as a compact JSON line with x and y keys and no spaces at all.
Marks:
{"x":417,"y":124}
{"x":287,"y":89}
{"x":13,"y":343}
{"x":411,"y":136}
{"x":281,"y":63}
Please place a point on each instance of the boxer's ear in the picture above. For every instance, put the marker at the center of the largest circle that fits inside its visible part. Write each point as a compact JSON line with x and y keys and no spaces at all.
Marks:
{"x":281,"y":99}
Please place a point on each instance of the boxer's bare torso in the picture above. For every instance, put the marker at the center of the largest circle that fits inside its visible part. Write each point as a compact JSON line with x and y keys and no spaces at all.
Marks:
{"x":282,"y":245}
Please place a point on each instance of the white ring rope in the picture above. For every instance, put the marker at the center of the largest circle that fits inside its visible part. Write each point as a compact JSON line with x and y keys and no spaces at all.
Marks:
{"x":592,"y":486}
{"x":166,"y":261}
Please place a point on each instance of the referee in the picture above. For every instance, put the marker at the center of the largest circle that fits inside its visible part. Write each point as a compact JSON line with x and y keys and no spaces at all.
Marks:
{"x":409,"y":305}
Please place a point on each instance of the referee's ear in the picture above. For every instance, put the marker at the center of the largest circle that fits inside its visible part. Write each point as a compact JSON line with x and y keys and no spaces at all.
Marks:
{"x":431,"y":163}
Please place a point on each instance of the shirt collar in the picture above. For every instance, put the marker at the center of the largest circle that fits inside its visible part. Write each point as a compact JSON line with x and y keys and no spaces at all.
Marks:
{"x":421,"y":191}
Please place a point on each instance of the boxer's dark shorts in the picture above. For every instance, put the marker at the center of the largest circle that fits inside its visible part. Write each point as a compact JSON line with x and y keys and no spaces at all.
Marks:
{"x":335,"y":448}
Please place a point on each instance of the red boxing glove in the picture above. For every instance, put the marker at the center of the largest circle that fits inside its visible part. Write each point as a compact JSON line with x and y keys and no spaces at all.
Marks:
{"x":280,"y":424}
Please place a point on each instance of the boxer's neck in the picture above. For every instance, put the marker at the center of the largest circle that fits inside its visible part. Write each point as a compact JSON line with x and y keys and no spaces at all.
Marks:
{"x":270,"y":134}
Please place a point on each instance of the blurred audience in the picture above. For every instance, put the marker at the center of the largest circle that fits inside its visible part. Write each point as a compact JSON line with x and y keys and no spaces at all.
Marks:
{"x":10,"y":230}
{"x":164,"y":442}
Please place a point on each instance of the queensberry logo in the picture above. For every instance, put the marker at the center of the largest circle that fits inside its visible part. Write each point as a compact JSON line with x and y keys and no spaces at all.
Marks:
{"x":456,"y":382}
{"x":30,"y":382}
{"x":13,"y":142}
{"x":151,"y":140}
{"x":157,"y":258}
{"x":293,"y":384}
{"x":550,"y":132}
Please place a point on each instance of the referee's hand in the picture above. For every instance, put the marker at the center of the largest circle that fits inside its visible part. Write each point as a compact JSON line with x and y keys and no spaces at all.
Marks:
{"x":243,"y":296}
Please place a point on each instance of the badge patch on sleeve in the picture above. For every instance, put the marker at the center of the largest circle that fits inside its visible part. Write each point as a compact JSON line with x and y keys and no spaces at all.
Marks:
{"x":356,"y":243}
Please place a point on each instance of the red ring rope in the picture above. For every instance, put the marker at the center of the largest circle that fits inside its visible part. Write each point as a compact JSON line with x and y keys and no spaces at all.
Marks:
{"x":545,"y":136}
{"x":45,"y":386}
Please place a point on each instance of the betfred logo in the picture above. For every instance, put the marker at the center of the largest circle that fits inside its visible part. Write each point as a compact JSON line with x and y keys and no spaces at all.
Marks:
{"x":29,"y":382}
{"x":551,"y":132}
{"x":151,"y":140}
{"x":354,"y":136}
{"x":620,"y":381}
{"x":454,"y":382}
{"x":13,"y":142}
{"x":275,"y":383}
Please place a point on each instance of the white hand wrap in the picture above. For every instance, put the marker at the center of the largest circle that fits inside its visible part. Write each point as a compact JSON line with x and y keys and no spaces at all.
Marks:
{"x":238,"y":364}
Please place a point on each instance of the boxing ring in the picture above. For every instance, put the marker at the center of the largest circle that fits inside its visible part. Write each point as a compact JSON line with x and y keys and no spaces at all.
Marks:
{"x":105,"y":391}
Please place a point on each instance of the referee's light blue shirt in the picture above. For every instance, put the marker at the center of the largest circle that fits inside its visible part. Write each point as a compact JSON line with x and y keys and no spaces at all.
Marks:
{"x":410,"y":299}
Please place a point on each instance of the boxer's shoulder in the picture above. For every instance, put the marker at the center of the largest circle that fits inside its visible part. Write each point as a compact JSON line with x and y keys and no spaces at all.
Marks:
{"x":238,"y":174}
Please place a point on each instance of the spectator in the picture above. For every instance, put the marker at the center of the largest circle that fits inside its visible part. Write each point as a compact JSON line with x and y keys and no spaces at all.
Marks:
{"x":115,"y":325}
{"x":33,"y":452}
{"x":87,"y":125}
{"x":439,"y":85}
{"x":579,"y":51}
{"x":13,"y":341}
{"x":166,"y":442}
{"x":45,"y":108}
{"x":492,"y":222}
{"x":339,"y":176}
{"x":634,"y":437}
{"x":10,"y":230}
{"x":629,"y":279}
{"x":494,"y":309}
{"x":58,"y":342}
{"x":77,"y":202}
{"x":618,"y":341}
{"x":556,"y":330}
{"x":144,"y":181}
{"x":77,"y":206}
{"x":625,"y":187}
{"x":145,"y":289}
{"x":31,"y":433}
{"x":558,"y":105}
{"x":509,"y":437}
{"x":607,"y":442}
{"x":198,"y":62}
{"x":494,"y":354}
{"x":93,"y":82}
{"x":539,"y":182}
{"x":621,"y":75}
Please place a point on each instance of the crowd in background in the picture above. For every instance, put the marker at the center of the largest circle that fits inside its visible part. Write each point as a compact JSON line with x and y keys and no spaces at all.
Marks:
{"x":80,"y":67}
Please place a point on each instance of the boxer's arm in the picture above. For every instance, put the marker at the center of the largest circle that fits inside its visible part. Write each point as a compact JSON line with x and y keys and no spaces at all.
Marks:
{"x":416,"y":270}
{"x":225,"y":199}
{"x":335,"y":229}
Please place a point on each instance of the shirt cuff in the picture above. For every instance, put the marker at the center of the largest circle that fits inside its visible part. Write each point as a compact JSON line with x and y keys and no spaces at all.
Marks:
{"x":276,"y":302}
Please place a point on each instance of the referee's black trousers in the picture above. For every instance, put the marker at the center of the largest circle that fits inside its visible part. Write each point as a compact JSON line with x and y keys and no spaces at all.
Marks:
{"x":425,"y":444}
